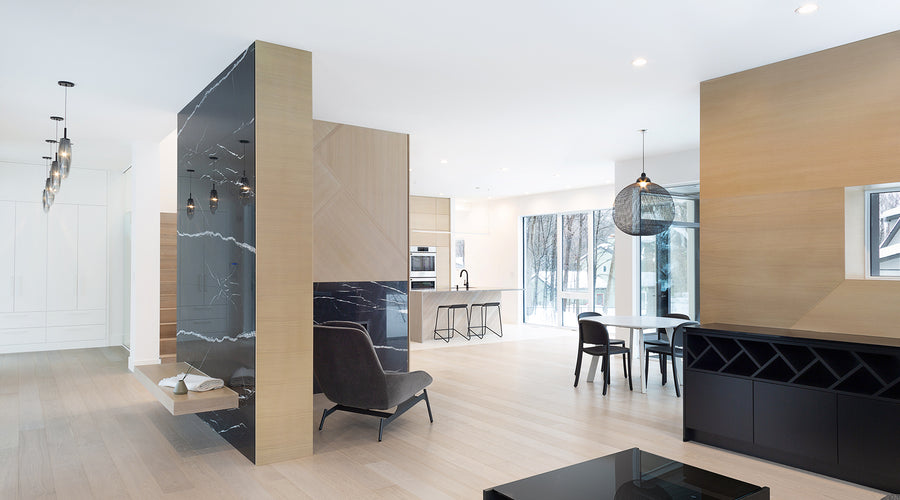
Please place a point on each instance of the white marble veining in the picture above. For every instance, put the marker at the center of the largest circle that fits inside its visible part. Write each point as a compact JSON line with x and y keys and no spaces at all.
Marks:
{"x":214,"y":234}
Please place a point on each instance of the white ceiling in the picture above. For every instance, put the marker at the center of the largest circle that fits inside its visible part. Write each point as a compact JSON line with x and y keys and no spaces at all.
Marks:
{"x":539,"y":88}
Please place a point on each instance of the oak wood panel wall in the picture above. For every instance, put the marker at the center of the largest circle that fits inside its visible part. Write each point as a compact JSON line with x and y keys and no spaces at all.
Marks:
{"x":360,"y":204}
{"x":284,"y":229}
{"x":168,"y":284}
{"x":777,"y":146}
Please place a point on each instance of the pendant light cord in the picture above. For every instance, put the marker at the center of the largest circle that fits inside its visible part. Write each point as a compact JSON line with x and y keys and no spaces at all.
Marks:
{"x":643,"y":140}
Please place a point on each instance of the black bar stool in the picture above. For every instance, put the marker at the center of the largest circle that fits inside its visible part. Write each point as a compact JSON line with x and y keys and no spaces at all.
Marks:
{"x":451,"y":322}
{"x":483,"y":312}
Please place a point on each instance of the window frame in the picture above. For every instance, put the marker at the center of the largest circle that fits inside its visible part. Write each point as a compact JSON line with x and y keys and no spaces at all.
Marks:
{"x":870,"y":207}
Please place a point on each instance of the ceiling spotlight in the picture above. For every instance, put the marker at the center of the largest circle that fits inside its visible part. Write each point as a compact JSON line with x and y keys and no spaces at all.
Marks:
{"x":807,"y":8}
{"x":640,"y":61}
{"x":504,"y":169}
{"x":444,"y":161}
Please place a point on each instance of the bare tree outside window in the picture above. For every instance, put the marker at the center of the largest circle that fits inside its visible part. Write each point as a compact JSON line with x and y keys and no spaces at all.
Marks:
{"x":540,"y":269}
{"x":604,"y":261}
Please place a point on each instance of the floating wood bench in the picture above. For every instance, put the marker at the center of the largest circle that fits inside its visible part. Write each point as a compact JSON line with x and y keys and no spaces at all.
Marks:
{"x":183,"y":404}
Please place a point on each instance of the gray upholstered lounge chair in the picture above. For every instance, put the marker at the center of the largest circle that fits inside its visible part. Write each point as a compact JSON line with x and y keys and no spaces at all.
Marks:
{"x":349,"y":373}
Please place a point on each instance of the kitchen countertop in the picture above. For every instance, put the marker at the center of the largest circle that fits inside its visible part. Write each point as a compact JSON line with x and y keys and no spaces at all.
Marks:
{"x":471,"y":289}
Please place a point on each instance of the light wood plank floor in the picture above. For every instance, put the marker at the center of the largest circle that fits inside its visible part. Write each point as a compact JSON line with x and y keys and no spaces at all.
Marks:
{"x":77,"y":424}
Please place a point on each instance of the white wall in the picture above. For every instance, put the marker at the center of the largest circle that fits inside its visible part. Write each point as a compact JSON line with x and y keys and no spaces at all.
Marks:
{"x":145,"y":207}
{"x":668,"y":170}
{"x":118,"y":296}
{"x":168,"y":173}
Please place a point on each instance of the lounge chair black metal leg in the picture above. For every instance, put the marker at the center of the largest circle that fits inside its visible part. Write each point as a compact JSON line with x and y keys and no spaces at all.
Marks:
{"x":380,"y":428}
{"x":428,"y":405}
{"x":327,"y":412}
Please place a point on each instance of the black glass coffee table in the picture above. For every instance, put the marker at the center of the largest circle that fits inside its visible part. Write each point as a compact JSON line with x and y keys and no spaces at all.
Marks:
{"x":627,"y":475}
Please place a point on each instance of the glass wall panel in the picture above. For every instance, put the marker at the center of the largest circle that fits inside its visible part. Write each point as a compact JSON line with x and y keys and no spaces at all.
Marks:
{"x":540,"y":269}
{"x":604,"y":262}
{"x":576,"y":282}
{"x":649,"y":279}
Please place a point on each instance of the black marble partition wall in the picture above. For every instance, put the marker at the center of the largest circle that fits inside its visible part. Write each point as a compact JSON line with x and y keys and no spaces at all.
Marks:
{"x":381,"y":306}
{"x":217,"y":246}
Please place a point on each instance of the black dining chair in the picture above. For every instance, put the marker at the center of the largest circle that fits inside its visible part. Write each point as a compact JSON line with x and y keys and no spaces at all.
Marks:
{"x":592,"y":314}
{"x":662,"y":339}
{"x":593,"y":339}
{"x":675,"y":349}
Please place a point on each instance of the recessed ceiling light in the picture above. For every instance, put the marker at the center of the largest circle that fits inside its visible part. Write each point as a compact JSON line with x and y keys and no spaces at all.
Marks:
{"x":527,"y":192}
{"x":555,"y":175}
{"x":440,"y":194}
{"x":504,"y":169}
{"x":640,"y":61}
{"x":807,"y":8}
{"x":444,"y":161}
{"x":410,"y":170}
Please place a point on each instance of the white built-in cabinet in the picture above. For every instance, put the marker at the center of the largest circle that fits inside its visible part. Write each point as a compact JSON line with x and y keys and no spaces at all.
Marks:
{"x":53,"y":266}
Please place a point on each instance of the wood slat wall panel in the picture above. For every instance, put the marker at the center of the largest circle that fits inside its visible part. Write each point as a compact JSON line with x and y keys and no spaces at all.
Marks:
{"x":778,"y":144}
{"x":284,"y":203}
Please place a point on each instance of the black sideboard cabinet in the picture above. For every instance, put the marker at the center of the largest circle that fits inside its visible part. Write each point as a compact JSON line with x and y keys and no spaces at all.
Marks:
{"x":828,"y":403}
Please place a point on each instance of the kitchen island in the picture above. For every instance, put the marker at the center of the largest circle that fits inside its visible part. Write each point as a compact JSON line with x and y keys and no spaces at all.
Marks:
{"x":423,"y":306}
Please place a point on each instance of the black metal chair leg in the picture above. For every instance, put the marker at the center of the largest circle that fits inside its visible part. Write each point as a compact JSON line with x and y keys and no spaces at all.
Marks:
{"x":664,"y":359}
{"x":630,"y":385}
{"x":605,"y":373}
{"x":646,"y":366}
{"x":578,"y":366}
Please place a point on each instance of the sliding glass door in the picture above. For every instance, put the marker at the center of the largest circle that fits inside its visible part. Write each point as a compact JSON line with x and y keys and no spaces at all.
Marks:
{"x":669,"y":261}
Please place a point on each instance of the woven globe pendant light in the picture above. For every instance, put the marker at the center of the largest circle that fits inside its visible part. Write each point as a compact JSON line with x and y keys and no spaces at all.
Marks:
{"x":643,"y":208}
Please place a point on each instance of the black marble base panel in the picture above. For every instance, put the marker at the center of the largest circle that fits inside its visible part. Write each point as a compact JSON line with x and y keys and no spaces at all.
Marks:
{"x":381,"y":306}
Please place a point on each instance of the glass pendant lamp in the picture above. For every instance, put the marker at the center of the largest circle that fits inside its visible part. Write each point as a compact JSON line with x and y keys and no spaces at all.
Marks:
{"x":189,"y":207}
{"x":245,"y":182}
{"x":213,"y":194}
{"x":54,"y":175}
{"x":65,"y":145}
{"x":47,"y":196}
{"x":213,"y":199}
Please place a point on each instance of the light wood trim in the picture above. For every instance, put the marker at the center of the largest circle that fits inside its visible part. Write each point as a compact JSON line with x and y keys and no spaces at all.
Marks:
{"x":183,"y":404}
{"x":284,"y":193}
{"x":778,"y":144}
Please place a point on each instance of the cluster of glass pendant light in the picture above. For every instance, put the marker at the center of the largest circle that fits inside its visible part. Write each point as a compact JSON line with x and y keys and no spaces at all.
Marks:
{"x":244,"y":189}
{"x":61,"y":148}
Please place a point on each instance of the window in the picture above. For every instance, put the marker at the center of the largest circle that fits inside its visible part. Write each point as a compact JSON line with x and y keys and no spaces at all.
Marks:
{"x":540,"y":269}
{"x":569,"y":260}
{"x":884,"y":226}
